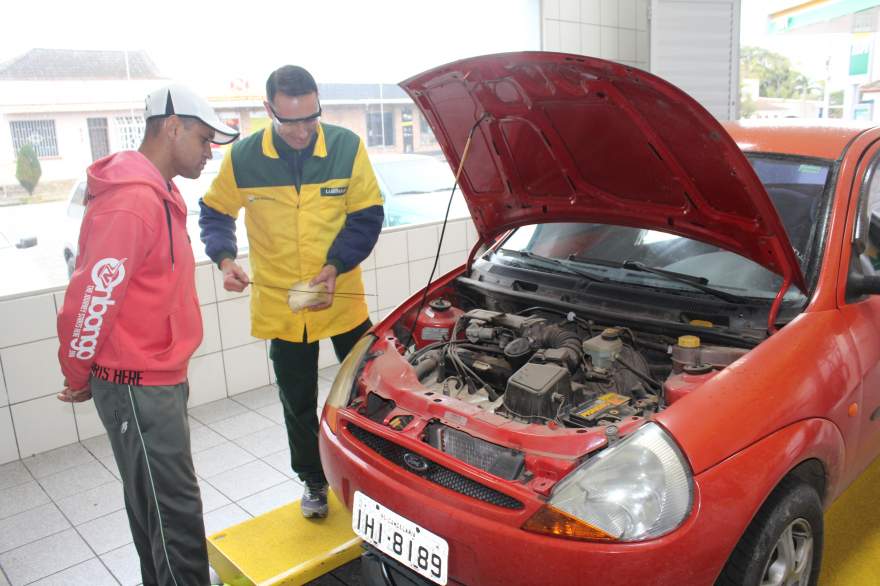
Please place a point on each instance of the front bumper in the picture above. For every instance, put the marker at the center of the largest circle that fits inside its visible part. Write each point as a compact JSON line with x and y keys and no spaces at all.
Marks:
{"x":379,"y":570}
{"x":487,"y":546}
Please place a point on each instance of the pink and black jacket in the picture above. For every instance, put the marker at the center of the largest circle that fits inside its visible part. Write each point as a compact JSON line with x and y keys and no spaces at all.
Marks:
{"x":131,"y":314}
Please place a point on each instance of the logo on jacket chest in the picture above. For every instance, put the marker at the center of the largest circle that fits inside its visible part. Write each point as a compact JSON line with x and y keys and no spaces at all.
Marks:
{"x":252,"y":198}
{"x":333,"y":191}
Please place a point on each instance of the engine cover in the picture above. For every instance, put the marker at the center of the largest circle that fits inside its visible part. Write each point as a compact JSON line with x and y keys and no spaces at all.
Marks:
{"x":535,"y":391}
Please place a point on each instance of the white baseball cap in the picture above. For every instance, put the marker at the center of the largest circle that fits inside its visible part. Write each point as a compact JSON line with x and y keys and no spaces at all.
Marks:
{"x":179,"y":100}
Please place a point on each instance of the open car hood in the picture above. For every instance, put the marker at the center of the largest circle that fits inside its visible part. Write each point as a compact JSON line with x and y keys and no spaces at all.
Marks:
{"x":566,"y":138}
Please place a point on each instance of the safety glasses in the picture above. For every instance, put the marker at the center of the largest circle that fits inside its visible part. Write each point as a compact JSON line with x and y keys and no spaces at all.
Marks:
{"x":305,"y":120}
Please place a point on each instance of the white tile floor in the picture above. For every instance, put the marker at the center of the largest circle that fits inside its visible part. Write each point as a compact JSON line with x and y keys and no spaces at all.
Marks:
{"x":62,"y":520}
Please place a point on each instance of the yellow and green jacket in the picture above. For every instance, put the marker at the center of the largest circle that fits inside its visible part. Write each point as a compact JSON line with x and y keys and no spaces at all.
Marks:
{"x":303,"y":210}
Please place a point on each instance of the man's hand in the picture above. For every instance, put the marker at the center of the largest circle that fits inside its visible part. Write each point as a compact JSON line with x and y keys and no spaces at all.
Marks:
{"x":69,"y":395}
{"x":328,"y":277}
{"x":234,"y":277}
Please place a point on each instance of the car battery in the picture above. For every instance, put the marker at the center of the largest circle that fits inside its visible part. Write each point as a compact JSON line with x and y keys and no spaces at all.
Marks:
{"x":608,"y":407}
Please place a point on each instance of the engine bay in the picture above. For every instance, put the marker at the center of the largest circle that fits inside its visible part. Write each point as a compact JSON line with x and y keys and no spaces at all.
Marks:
{"x":541,"y":365}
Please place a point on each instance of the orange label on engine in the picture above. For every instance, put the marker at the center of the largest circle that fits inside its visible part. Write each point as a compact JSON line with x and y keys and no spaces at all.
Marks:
{"x":602,"y":403}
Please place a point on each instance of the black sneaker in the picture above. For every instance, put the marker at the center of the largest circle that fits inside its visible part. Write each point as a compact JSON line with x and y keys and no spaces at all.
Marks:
{"x":314,"y":500}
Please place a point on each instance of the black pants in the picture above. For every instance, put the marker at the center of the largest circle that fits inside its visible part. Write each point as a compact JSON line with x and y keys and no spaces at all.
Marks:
{"x":296,"y":372}
{"x":149,"y":433}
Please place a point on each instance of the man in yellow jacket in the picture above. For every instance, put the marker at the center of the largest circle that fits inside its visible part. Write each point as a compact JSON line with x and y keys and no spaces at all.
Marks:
{"x":313,"y":214}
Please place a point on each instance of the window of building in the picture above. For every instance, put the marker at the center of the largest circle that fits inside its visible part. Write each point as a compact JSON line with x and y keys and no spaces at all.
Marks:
{"x":129,"y":131}
{"x":380,"y":128}
{"x":426,"y":135}
{"x":39,"y":133}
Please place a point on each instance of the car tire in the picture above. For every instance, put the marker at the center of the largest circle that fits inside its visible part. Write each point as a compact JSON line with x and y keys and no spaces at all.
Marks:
{"x":783,"y":541}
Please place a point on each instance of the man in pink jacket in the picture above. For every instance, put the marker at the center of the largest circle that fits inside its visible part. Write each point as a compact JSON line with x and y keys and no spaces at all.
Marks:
{"x":131,"y":321}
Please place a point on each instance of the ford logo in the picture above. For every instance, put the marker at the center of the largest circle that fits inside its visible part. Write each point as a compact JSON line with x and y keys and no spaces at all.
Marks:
{"x":415,"y":462}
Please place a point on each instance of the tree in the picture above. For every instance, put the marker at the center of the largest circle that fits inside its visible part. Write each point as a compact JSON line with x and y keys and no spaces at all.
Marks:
{"x":747,"y":105}
{"x":27,"y":168}
{"x":776,"y":76}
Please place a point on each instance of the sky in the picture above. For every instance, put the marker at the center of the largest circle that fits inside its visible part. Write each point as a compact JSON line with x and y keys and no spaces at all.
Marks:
{"x":211,"y":45}
{"x":337,"y":40}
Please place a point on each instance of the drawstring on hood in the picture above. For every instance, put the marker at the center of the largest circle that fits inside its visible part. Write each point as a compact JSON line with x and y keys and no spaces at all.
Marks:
{"x":170,"y":235}
{"x":131,"y":169}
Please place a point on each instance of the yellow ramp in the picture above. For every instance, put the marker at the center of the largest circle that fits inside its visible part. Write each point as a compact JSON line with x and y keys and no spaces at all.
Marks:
{"x":282,"y":547}
{"x":852,"y":534}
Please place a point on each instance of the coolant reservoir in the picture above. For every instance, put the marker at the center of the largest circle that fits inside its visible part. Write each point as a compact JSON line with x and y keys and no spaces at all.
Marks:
{"x":435,"y":322}
{"x":689,"y":351}
{"x":685,"y":353}
{"x":688,"y":380}
{"x":604,"y":348}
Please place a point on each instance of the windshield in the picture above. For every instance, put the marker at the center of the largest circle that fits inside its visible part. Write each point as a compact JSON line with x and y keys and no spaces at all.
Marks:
{"x":795,"y":186}
{"x":192,"y":190}
{"x":415,"y":174}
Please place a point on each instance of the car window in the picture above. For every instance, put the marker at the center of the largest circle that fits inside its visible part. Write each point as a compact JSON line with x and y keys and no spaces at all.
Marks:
{"x":414,"y":175}
{"x":416,"y":189}
{"x":79,"y":194}
{"x":796,"y":187}
{"x":192,"y":190}
{"x":867,"y":229}
{"x":603,"y":248}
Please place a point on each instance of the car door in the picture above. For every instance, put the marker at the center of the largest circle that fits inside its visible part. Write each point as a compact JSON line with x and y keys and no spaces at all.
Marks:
{"x":862,"y":312}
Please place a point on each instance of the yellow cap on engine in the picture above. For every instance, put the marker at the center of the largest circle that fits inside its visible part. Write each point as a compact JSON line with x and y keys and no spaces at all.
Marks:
{"x":702,"y":323}
{"x":688,"y":342}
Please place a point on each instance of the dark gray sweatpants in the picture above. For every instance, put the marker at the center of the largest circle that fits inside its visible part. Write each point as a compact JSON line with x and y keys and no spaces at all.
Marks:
{"x":149,"y":433}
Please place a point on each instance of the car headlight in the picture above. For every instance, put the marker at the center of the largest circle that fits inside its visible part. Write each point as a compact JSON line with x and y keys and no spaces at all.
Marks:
{"x":343,"y":385}
{"x":637,"y":489}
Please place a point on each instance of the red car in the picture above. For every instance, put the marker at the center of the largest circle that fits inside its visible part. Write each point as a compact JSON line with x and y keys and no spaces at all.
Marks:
{"x":660,"y":363}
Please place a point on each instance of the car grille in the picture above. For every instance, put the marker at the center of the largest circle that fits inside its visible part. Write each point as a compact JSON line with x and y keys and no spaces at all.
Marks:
{"x":434,"y":472}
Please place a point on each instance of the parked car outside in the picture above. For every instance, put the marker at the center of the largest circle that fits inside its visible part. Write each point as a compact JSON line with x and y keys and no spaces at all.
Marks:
{"x":660,"y":365}
{"x":416,"y":189}
{"x":76,"y":208}
{"x":191,"y":189}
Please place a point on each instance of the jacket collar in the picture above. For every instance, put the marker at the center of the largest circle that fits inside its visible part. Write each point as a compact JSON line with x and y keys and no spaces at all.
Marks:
{"x":270,"y":151}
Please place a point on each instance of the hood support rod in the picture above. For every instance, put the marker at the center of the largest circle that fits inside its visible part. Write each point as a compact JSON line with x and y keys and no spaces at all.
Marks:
{"x":777,"y":303}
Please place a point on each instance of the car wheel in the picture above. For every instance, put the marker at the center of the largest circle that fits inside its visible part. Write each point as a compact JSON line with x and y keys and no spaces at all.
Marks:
{"x":783,"y":544}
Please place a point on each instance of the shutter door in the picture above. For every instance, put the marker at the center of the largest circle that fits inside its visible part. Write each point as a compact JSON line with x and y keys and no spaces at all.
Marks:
{"x":695,"y":45}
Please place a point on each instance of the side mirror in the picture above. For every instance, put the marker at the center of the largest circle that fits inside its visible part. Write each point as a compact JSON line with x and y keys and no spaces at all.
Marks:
{"x":858,"y":285}
{"x":26,"y":242}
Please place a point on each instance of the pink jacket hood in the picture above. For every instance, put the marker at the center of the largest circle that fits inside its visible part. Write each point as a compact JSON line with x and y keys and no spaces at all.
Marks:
{"x":130,"y":314}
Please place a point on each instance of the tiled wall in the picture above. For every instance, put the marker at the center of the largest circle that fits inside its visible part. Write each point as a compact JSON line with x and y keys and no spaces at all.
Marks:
{"x":610,"y":29}
{"x":228,"y":362}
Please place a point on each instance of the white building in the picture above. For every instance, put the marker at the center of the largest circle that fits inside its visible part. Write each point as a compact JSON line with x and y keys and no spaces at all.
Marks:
{"x":73,"y":106}
{"x":77,"y":106}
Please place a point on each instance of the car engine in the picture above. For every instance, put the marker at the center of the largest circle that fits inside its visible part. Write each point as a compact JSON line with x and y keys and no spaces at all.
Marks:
{"x":540,"y":368}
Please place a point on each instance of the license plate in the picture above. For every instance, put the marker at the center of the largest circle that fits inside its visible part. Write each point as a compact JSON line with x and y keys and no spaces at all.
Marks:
{"x":413,"y":546}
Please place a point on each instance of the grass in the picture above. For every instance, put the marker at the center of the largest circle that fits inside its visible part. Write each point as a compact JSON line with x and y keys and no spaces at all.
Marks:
{"x":45,"y":191}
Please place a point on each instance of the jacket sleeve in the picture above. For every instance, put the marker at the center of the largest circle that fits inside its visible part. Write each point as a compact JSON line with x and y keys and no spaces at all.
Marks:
{"x":218,"y":211}
{"x":112,"y":247}
{"x":364,"y":217}
{"x":356,"y":239}
{"x":217,"y":233}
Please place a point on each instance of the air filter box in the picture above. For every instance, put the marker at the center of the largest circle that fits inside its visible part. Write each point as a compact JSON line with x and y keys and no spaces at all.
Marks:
{"x":530,"y":391}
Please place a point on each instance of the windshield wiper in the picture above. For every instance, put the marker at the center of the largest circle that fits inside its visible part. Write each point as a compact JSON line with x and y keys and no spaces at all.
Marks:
{"x":700,"y":283}
{"x":556,"y":262}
